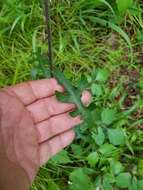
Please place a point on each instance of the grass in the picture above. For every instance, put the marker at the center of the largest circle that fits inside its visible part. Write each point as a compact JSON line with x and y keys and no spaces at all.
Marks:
{"x":86,"y":37}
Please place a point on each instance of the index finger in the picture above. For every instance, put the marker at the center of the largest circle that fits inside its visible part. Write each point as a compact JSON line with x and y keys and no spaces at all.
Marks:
{"x":29,"y":92}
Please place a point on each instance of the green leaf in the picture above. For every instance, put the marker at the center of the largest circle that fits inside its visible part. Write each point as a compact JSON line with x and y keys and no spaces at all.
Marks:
{"x":70,"y":89}
{"x":77,"y":150}
{"x":93,"y":159}
{"x":108,"y":150}
{"x":123,"y":6}
{"x":83,"y":83}
{"x":140,"y":182}
{"x":102,"y":75}
{"x":34,"y":73}
{"x":108,"y":116}
{"x":134,"y":185}
{"x":109,"y":177}
{"x":106,"y":185}
{"x":116,"y":167}
{"x":100,"y":137}
{"x":140,"y":168}
{"x":116,"y":136}
{"x":62,"y":97}
{"x":80,"y":181}
{"x":61,"y":158}
{"x":98,"y":182}
{"x":52,"y":186}
{"x":96,"y":89}
{"x":123,"y":180}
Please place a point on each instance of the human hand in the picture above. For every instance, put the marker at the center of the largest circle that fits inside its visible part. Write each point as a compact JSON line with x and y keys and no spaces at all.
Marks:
{"x":34,"y":125}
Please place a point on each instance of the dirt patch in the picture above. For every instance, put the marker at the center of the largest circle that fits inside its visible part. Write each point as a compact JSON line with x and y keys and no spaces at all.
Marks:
{"x":128,"y":78}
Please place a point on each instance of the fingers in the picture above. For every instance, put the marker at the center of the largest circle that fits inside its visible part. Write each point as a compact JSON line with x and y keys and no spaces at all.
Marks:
{"x":31,"y":91}
{"x":54,"y":145}
{"x":86,"y":97}
{"x":56,"y":125}
{"x":48,"y":107}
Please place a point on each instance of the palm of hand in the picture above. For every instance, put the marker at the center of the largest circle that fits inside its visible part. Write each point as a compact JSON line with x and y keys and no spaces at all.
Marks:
{"x":35,"y":126}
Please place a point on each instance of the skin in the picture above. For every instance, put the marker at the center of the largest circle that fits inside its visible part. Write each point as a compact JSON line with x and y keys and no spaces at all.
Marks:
{"x":34,"y":125}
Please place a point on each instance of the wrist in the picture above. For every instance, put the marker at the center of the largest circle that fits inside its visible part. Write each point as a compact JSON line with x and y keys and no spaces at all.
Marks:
{"x":12,"y":175}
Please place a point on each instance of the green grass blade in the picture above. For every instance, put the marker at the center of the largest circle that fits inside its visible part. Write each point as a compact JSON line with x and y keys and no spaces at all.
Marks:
{"x":108,"y":5}
{"x":115,"y":28}
{"x":14,"y":24}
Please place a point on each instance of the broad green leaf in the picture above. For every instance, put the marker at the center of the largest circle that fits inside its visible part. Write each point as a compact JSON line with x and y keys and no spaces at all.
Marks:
{"x":108,"y":150}
{"x":134,"y":185}
{"x":52,"y":186}
{"x":102,"y":75}
{"x":61,"y":158}
{"x":93,"y":159}
{"x":100,"y":137}
{"x":80,"y":181}
{"x":116,"y":167}
{"x":107,"y":185}
{"x":96,"y":89}
{"x":116,"y":136}
{"x":123,"y":6}
{"x":108,"y":116}
{"x":123,"y":180}
{"x":77,"y":150}
{"x":140,"y":182}
{"x":109,"y":177}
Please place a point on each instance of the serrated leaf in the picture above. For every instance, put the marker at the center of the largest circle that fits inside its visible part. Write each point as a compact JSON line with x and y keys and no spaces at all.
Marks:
{"x":70,"y":89}
{"x":123,"y":180}
{"x":61,"y":158}
{"x":108,"y":116}
{"x":93,"y":159}
{"x":83,"y":83}
{"x":80,"y":181}
{"x":62,"y":97}
{"x":100,"y":137}
{"x":116,"y":136}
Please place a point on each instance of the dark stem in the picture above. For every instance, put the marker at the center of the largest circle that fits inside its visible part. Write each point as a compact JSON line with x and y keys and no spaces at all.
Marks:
{"x":48,"y":33}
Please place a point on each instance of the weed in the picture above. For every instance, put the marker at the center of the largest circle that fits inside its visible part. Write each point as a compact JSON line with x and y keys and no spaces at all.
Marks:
{"x":98,"y":43}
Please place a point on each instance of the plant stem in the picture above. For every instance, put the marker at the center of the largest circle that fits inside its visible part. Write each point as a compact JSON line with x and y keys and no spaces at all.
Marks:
{"x":46,"y":4}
